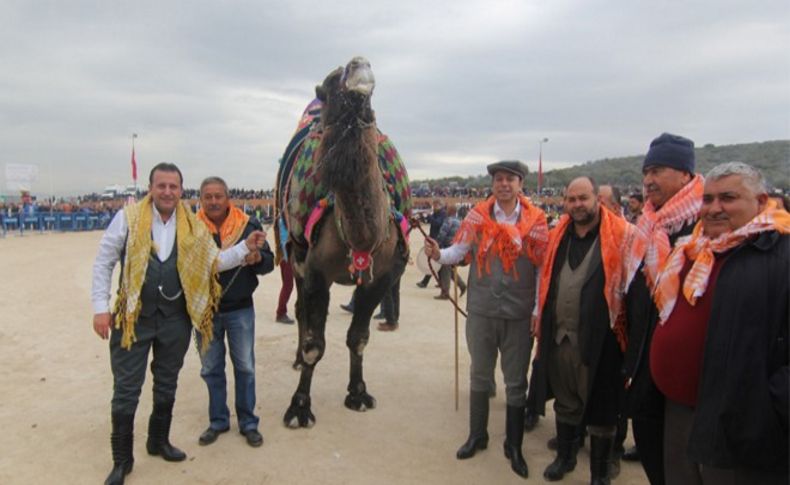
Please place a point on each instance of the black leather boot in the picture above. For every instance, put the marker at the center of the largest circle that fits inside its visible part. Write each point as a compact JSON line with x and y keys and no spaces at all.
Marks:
{"x":478,"y":426}
{"x":121,"y":440}
{"x":600,"y":446}
{"x":567,"y":446}
{"x":514,"y":437}
{"x":159,"y":434}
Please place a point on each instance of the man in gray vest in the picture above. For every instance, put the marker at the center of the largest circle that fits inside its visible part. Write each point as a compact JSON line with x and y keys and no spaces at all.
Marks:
{"x":505,"y":238}
{"x":581,"y":332}
{"x":168,"y":284}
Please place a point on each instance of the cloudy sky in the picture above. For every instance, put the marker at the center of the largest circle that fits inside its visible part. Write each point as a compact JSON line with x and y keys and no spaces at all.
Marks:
{"x":217,"y":87}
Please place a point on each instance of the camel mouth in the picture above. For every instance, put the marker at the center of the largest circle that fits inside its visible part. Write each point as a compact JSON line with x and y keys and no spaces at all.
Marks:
{"x":358,"y":76}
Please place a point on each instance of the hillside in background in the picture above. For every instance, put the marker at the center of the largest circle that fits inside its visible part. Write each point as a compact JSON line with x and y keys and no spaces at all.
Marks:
{"x":771,"y":157}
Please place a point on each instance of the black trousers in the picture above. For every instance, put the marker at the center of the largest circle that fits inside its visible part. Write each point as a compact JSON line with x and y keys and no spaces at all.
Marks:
{"x":169,"y":337}
{"x":390,"y":304}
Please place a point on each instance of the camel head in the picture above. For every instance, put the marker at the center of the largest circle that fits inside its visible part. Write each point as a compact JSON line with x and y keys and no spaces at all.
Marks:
{"x":346,"y":93}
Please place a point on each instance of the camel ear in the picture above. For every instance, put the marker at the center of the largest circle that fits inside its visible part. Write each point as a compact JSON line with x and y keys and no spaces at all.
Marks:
{"x":320,"y":92}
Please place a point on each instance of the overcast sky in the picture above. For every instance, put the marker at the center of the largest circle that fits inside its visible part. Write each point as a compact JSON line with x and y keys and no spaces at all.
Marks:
{"x":217,"y":87}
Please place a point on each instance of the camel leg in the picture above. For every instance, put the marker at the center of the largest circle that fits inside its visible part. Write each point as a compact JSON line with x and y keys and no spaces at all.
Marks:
{"x":314,"y":290}
{"x":301,"y":323}
{"x":366,"y":299}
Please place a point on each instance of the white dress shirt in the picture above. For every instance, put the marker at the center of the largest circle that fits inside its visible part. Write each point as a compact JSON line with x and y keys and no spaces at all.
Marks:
{"x":164,"y":236}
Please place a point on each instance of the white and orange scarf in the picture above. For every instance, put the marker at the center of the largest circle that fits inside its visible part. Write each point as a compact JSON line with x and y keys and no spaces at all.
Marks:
{"x":656,"y":226}
{"x":701,"y":250}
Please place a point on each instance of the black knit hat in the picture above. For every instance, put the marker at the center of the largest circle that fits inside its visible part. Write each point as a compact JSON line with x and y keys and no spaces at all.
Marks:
{"x":513,"y":166}
{"x":673,"y":151}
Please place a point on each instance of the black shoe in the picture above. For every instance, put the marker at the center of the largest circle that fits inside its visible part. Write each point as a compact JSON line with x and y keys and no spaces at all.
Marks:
{"x":478,"y":426}
{"x":600,"y":446}
{"x":423,"y":284}
{"x":210,"y":435}
{"x":567,"y":447}
{"x":463,"y":290}
{"x":514,"y":437}
{"x":530,"y":420}
{"x":348,"y":308}
{"x":122,"y":443}
{"x":254,"y":438}
{"x":379,"y":316}
{"x":284,"y":319}
{"x":159,"y":434}
{"x":631,"y":454}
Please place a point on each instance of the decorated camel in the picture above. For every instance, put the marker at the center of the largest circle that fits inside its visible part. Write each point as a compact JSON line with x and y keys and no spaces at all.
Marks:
{"x":343,"y":203}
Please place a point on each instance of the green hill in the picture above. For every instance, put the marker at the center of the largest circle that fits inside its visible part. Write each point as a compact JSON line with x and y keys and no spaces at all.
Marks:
{"x":771,"y":157}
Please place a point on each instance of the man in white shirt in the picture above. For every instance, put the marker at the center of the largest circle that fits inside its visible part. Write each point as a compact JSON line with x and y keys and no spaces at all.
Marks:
{"x":162,"y":295}
{"x":505,"y":237}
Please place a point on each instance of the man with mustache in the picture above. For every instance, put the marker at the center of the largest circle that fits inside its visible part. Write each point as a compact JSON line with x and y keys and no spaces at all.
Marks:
{"x":167,"y":286}
{"x":581,"y":330}
{"x":720,"y":351}
{"x":236,"y":316}
{"x":674,"y":198}
{"x":504,"y":238}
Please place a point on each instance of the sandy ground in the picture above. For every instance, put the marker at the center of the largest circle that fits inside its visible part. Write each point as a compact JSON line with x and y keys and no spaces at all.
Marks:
{"x":56,"y":387}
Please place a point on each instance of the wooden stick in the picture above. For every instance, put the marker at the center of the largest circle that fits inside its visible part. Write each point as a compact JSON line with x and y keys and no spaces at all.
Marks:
{"x":455,"y":294}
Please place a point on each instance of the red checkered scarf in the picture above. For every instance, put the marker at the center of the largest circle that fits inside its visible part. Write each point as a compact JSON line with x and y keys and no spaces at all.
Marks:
{"x":657,"y":225}
{"x":701,"y":250}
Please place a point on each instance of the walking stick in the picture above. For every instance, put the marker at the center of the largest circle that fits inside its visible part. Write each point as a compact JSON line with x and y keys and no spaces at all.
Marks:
{"x":455,"y":294}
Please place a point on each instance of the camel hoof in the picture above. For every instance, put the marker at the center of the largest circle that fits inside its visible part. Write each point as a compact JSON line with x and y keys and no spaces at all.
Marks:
{"x":299,"y":414}
{"x":360,"y":402}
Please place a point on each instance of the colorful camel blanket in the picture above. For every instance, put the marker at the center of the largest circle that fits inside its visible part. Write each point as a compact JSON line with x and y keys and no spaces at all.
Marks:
{"x":302,"y":198}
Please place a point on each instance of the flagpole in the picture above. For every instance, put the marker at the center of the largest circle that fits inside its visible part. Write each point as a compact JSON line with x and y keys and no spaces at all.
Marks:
{"x":540,"y":164}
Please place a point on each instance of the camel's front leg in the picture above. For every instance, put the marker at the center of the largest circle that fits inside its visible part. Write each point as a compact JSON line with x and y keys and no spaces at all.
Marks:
{"x":313,"y":304}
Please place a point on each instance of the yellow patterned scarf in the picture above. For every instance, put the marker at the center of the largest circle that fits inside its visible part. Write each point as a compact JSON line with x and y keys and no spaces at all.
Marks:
{"x":701,"y":250}
{"x":197,"y":270}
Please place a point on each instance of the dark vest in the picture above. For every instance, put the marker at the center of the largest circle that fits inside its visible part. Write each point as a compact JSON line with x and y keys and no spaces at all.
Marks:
{"x":500,"y":295}
{"x":170,"y":298}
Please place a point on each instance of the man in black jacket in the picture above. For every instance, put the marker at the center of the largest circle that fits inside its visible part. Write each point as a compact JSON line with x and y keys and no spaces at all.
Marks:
{"x":436,"y":219}
{"x":236,"y":317}
{"x":720,"y":354}
{"x":674,"y":197}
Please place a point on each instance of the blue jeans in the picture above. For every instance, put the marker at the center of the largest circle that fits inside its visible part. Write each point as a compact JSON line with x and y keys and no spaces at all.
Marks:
{"x":240,"y":327}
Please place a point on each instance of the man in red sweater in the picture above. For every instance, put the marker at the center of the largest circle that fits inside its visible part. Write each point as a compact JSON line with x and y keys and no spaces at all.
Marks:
{"x":720,"y":352}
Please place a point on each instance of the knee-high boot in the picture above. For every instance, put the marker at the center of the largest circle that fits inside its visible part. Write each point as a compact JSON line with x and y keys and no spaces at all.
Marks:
{"x":567,"y":446}
{"x":600,"y":446}
{"x":478,"y":426}
{"x":159,"y":434}
{"x":121,"y":440}
{"x":514,"y":433}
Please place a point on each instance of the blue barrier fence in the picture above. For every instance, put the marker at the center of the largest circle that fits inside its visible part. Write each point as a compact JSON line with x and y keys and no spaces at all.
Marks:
{"x":55,"y":221}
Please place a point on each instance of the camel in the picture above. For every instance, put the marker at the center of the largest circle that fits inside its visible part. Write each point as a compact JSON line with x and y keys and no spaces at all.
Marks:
{"x":344,"y":203}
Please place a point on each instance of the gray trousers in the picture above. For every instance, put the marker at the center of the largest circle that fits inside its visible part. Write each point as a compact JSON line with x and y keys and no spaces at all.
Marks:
{"x":485,"y":337}
{"x":169,"y":338}
{"x":569,"y":380}
{"x":678,"y":469}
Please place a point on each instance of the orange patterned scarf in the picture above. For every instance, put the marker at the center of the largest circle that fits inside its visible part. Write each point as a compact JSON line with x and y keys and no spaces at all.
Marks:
{"x":657,"y":225}
{"x":701,"y":250}
{"x":232,"y":228}
{"x":504,"y":241}
{"x":617,"y":238}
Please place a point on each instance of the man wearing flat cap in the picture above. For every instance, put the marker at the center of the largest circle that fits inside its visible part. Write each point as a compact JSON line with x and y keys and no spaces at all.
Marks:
{"x":673,"y":198}
{"x":504,"y":238}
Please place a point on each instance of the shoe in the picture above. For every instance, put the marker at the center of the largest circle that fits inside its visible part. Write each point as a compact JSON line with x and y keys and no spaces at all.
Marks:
{"x":600,"y":447}
{"x":443,"y":296}
{"x":514,"y":433}
{"x":631,"y":454}
{"x":348,"y":308}
{"x":159,"y":434}
{"x":210,"y":435}
{"x":567,"y":447}
{"x":121,"y":440}
{"x":463,"y":290}
{"x":387,"y":326}
{"x":530,"y":420}
{"x":379,"y":316}
{"x":284,"y":319}
{"x":478,"y":426}
{"x":254,"y":438}
{"x":422,"y":285}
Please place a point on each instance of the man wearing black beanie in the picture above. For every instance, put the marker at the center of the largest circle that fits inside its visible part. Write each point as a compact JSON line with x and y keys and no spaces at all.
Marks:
{"x":673,"y":196}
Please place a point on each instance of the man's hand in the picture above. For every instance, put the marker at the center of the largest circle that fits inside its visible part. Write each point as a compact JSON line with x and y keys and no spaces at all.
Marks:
{"x":102,"y":322}
{"x":255,"y":240}
{"x":432,"y":249}
{"x":252,"y":257}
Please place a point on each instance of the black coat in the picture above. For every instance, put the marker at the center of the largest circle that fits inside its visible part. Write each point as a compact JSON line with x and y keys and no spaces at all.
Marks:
{"x":436,"y":219}
{"x":741,"y":418}
{"x":239,"y":295}
{"x":598,"y":345}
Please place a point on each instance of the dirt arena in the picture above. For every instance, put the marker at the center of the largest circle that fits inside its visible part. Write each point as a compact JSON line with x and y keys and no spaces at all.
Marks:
{"x":56,"y":388}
